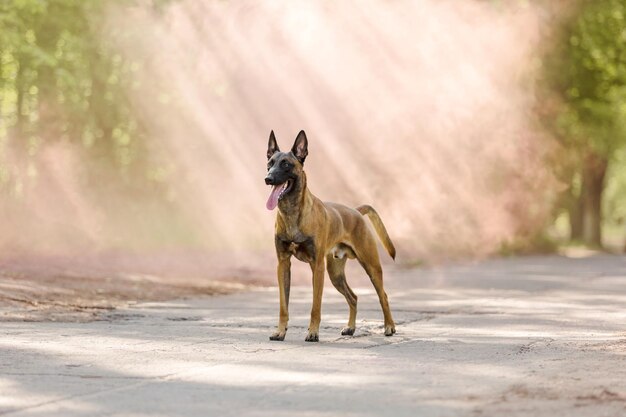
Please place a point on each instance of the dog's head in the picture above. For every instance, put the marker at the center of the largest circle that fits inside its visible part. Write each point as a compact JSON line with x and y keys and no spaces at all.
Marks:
{"x":284,"y":168}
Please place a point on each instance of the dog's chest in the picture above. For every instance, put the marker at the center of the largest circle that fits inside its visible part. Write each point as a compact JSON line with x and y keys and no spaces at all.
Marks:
{"x":302,"y":247}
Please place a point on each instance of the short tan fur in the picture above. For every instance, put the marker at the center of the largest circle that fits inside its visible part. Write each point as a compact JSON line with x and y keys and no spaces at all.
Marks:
{"x":324,"y":235}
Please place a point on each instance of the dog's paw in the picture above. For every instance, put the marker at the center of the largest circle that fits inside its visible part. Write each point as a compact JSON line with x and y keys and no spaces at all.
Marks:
{"x":312,"y":337}
{"x":347,"y":331}
{"x":390,"y":330}
{"x":280,"y":336}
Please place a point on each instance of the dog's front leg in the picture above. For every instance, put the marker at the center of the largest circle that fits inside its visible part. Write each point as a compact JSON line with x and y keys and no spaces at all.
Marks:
{"x":284,"y":285}
{"x":317,"y":267}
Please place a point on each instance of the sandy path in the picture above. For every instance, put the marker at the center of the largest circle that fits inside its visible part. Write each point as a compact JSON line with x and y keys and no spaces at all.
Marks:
{"x":521,"y":337}
{"x":48,"y":289}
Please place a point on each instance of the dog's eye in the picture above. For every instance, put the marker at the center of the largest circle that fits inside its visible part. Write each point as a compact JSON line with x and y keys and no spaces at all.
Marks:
{"x":284,"y":165}
{"x":269,"y":164}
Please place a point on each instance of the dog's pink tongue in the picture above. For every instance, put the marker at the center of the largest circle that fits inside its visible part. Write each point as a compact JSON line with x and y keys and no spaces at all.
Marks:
{"x":272,"y":201}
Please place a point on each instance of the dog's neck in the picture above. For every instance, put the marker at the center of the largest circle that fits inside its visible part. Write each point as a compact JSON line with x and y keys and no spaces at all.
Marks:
{"x":291,"y":208}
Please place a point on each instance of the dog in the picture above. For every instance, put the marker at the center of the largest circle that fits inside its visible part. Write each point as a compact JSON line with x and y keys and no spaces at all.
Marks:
{"x":315,"y":232}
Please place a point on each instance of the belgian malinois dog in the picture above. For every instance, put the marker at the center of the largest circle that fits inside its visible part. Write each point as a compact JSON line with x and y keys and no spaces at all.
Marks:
{"x":314,"y":231}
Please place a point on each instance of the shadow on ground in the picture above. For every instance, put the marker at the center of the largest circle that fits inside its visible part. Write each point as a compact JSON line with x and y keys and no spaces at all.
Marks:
{"x":532,"y":336}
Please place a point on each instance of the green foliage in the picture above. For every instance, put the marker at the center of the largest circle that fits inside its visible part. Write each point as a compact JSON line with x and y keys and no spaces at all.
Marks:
{"x":65,"y":87}
{"x":59,"y":80}
{"x":615,"y":193}
{"x":592,"y":78}
{"x":536,"y":244}
{"x":584,"y":106}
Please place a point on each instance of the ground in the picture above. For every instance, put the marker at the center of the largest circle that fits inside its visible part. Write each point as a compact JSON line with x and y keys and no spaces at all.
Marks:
{"x":537,"y":336}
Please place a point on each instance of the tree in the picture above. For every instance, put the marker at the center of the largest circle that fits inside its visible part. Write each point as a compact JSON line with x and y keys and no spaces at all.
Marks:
{"x":587,"y":71}
{"x":61,"y":80}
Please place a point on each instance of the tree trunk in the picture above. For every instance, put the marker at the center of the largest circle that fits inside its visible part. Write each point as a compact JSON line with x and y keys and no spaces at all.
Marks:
{"x":19,"y":105}
{"x":49,"y":119}
{"x":594,"y":171}
{"x":575,"y":211}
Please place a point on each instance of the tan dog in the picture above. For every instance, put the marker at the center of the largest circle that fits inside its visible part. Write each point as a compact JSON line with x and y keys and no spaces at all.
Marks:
{"x":313,"y":231}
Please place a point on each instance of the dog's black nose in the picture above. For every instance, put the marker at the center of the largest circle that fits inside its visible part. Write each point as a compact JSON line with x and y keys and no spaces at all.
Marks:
{"x":269,"y":181}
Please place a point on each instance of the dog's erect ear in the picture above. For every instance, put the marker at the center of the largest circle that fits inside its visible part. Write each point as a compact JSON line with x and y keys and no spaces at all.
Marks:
{"x":299,"y":148}
{"x":272,"y":146}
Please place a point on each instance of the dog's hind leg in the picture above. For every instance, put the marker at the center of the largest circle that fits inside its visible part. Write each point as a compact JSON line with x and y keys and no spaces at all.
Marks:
{"x":367,"y":255}
{"x":335,"y":267}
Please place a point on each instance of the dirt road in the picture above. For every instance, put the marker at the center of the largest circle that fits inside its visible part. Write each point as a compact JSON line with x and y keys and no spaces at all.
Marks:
{"x":539,"y":336}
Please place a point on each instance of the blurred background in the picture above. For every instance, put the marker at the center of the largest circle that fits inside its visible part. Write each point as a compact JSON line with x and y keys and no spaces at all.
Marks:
{"x":133,"y":133}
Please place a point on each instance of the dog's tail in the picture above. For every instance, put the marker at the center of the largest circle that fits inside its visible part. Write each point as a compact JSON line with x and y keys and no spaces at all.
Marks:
{"x":379,"y":227}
